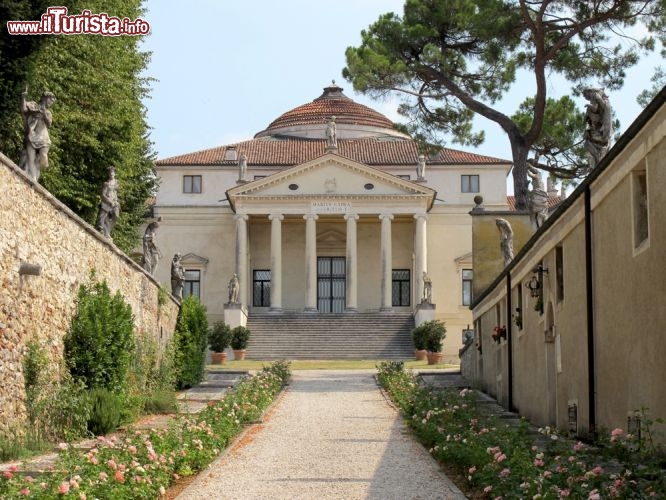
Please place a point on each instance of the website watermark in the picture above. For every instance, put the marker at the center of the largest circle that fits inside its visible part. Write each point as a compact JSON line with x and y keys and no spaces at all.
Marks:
{"x":56,"y":22}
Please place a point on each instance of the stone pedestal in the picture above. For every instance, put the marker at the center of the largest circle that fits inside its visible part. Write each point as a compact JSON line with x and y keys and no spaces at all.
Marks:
{"x":425,"y":311}
{"x":235,"y":314}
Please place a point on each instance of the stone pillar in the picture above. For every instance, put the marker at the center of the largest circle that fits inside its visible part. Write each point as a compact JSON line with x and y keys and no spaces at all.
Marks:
{"x":241,"y":256}
{"x":276,"y":261}
{"x":352,"y":280}
{"x":310,"y":262}
{"x":420,"y":254}
{"x":386,"y":264}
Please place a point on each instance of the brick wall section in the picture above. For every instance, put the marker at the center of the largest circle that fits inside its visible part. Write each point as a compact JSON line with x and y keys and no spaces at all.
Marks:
{"x":35,"y":228}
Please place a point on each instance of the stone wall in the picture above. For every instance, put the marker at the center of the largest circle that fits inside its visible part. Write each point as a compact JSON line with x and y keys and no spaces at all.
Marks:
{"x":36,"y":229}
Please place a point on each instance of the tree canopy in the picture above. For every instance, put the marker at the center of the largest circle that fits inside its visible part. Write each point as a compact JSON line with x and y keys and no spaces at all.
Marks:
{"x":452,"y":59}
{"x":98,"y":117}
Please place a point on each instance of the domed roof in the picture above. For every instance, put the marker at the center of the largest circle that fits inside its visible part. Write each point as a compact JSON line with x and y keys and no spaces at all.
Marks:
{"x":349,"y":116}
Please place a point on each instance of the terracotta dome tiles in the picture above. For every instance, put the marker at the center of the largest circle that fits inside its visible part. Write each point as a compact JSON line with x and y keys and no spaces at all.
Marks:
{"x":288,"y":151}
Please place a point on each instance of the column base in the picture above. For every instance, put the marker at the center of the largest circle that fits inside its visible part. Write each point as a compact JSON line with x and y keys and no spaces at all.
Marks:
{"x":275,"y":309}
{"x":386,"y":309}
{"x":310,"y":310}
{"x":351,"y":310}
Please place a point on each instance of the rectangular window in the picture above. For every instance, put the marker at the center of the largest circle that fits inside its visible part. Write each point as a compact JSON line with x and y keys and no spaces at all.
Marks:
{"x":405,"y":177}
{"x":559,"y":272}
{"x":192,"y":284}
{"x":261,"y":288}
{"x":469,"y":183}
{"x":467,"y":276}
{"x":400,"y":287}
{"x":191,"y":184}
{"x":518,"y":318}
{"x":640,"y":202}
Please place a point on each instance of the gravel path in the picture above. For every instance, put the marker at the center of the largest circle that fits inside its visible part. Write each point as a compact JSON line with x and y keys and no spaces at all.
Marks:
{"x":331,"y":436}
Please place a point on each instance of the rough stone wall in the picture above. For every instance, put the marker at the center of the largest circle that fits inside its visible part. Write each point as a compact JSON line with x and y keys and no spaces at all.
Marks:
{"x":35,"y":228}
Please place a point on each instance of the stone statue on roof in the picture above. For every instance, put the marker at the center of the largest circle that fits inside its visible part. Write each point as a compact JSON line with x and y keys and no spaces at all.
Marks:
{"x":242,"y":167}
{"x":420,"y":168}
{"x":331,"y":133}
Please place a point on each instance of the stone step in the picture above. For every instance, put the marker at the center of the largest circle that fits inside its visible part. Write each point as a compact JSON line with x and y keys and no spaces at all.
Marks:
{"x":293,"y":335}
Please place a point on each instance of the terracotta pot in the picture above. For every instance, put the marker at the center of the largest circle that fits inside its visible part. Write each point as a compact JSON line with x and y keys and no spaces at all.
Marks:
{"x":239,"y":354}
{"x":420,"y":354}
{"x":218,"y":358}
{"x":435,"y":357}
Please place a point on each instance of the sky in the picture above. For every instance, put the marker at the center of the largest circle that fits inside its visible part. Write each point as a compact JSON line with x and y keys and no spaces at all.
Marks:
{"x":224,"y":69}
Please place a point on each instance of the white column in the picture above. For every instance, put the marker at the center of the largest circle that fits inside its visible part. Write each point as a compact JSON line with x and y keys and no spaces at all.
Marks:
{"x":420,"y":254}
{"x":241,"y":256}
{"x":276,"y":261}
{"x":352,"y":299}
{"x":386,"y":263}
{"x":310,"y":262}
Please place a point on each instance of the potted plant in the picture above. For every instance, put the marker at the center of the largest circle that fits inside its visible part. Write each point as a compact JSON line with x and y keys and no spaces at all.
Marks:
{"x":219,"y":338}
{"x":420,"y":338}
{"x":436,"y":334}
{"x":239,"y":339}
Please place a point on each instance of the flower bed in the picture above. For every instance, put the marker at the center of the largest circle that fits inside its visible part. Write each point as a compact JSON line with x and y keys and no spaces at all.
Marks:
{"x":142,"y":464}
{"x":501,"y":461}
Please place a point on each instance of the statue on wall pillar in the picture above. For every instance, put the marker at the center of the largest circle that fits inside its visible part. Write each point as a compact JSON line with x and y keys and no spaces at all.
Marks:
{"x":177,"y":276}
{"x":598,"y":125}
{"x":109,"y":206}
{"x":36,"y":122}
{"x":506,"y":240}
{"x":151,"y":254}
{"x":538,"y":198}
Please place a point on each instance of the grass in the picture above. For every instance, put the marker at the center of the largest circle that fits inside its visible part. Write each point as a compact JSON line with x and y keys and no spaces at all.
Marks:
{"x":328,"y":364}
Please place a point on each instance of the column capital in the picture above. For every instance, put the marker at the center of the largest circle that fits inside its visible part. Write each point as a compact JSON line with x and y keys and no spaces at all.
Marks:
{"x":310,"y":216}
{"x":241,"y":217}
{"x":421,"y":216}
{"x":386,"y":216}
{"x":351,"y":216}
{"x":276,"y":216}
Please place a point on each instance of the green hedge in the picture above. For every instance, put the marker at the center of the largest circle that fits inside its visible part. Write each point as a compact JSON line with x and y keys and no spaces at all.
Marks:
{"x":190,"y":339}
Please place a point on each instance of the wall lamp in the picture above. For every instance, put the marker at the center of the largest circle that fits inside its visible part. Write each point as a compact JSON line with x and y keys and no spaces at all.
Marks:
{"x":535,"y":284}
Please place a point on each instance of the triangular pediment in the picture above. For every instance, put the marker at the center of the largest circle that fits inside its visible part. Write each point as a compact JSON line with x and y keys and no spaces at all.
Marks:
{"x":329,"y":176}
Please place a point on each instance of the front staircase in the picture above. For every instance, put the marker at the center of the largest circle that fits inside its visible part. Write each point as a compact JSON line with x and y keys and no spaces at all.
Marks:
{"x":290,"y":335}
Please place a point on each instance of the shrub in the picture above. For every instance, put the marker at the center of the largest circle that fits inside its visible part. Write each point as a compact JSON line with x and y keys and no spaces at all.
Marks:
{"x":241,"y":336}
{"x":436,"y":332}
{"x":420,"y":336}
{"x":190,"y":340}
{"x":100,"y":340}
{"x":220,"y":337}
{"x":105,"y":411}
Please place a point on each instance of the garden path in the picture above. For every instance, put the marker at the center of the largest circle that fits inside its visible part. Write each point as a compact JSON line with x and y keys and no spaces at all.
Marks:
{"x":331,"y":435}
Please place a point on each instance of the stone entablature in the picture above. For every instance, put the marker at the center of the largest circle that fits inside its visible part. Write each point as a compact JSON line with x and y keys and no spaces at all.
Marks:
{"x":35,"y":228}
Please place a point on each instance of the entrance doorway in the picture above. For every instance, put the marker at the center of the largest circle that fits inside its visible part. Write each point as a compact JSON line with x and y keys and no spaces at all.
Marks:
{"x":331,"y":284}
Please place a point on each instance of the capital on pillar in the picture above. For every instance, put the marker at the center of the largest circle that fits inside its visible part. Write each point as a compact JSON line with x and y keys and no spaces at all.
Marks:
{"x":311,"y":217}
{"x":351,"y":216}
{"x":275,"y":216}
{"x":241,"y":217}
{"x":386,"y":216}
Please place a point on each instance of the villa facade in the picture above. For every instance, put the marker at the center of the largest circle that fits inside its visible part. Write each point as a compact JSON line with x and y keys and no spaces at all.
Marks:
{"x":327,"y":217}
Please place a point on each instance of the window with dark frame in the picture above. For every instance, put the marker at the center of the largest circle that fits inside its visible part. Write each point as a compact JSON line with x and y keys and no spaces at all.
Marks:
{"x":191,"y":184}
{"x":401,"y":287}
{"x":261,"y":288}
{"x":641,"y":227}
{"x":467,"y":277}
{"x":469,"y":183}
{"x":192,"y":283}
{"x":559,"y":272}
